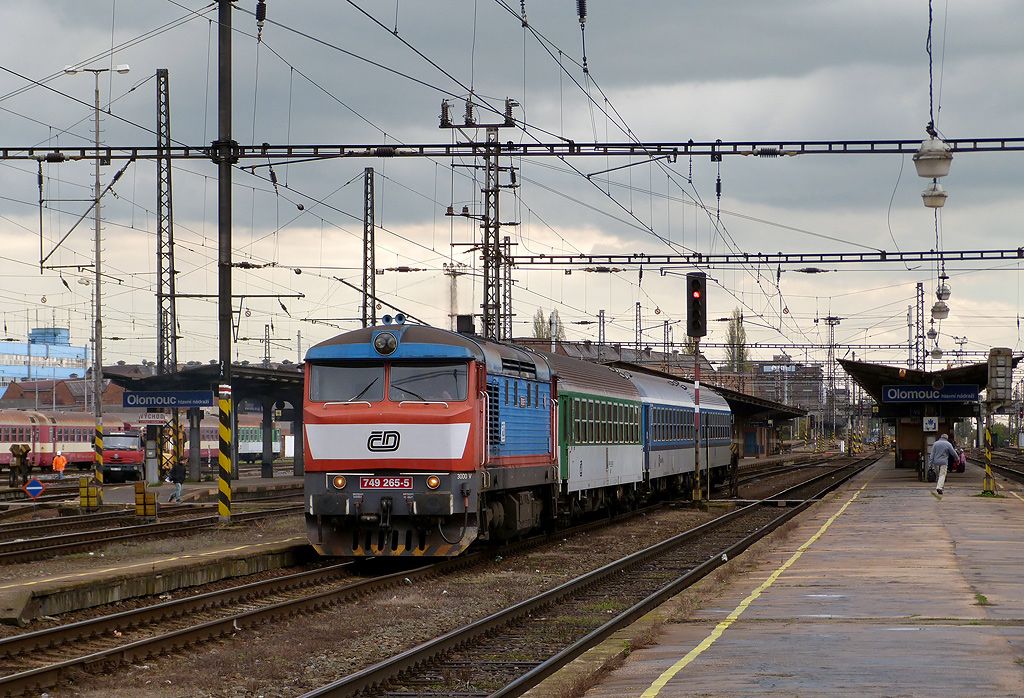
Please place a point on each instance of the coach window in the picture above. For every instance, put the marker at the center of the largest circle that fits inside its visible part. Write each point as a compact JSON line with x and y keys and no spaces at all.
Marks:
{"x":346,"y":383}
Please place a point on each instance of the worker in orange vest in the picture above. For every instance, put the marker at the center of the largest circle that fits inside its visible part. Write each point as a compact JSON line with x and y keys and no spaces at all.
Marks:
{"x":59,"y":463}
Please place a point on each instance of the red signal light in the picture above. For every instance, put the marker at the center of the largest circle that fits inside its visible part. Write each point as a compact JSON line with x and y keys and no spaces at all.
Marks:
{"x":696,"y":294}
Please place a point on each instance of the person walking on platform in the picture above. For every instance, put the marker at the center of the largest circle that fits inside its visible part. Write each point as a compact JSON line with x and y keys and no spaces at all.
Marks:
{"x":177,"y":476}
{"x":939,"y":459}
{"x":59,"y":463}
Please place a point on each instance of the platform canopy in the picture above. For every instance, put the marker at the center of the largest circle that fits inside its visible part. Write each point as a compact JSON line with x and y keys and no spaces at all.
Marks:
{"x":247,"y":382}
{"x":901,"y":391}
{"x":873,"y":377}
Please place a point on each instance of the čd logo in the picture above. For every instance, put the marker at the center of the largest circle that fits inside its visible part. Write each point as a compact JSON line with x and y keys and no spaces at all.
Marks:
{"x":383,"y":441}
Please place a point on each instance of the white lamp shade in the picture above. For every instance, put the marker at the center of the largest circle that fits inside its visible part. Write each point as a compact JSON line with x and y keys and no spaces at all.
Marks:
{"x":942,"y":292}
{"x":932,"y":334}
{"x":933,"y":159}
{"x":934,"y":196}
{"x":936,"y":353}
{"x":940,"y":311}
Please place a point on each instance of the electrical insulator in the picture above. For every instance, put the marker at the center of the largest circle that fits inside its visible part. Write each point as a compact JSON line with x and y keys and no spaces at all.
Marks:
{"x":261,"y":18}
{"x":581,"y":10}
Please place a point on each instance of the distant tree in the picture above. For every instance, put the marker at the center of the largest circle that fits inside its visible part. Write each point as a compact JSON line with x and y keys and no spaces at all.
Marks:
{"x":556,"y":320}
{"x":542,"y":325}
{"x":541,"y":329}
{"x":690,"y":347}
{"x":736,"y":353}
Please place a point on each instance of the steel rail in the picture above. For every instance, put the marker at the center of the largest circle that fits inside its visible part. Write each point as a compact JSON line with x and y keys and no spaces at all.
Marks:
{"x":41,"y":678}
{"x":51,"y":675}
{"x":378,"y":674}
{"x":50,"y":546}
{"x":40,"y":525}
{"x":25,"y":643}
{"x":1001,"y":467}
{"x":553,"y":664}
{"x":51,"y":493}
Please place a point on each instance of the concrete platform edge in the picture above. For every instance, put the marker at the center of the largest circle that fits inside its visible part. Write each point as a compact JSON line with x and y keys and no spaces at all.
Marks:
{"x":19,"y":606}
{"x":589,"y":668}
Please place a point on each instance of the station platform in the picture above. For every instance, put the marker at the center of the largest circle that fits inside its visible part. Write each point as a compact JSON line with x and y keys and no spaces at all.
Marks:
{"x":880,"y":589}
{"x":245,"y":487}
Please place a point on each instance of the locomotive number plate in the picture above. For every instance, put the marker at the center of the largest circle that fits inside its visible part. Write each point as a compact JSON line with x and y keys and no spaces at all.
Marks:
{"x":385,"y":483}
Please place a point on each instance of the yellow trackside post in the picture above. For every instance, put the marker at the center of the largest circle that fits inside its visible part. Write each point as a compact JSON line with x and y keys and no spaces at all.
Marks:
{"x":224,"y":457}
{"x":988,"y":484}
{"x":97,"y":445}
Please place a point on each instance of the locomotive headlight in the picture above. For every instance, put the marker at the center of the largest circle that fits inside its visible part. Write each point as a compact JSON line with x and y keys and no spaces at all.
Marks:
{"x":385,"y":343}
{"x":433,"y":482}
{"x":339,"y":482}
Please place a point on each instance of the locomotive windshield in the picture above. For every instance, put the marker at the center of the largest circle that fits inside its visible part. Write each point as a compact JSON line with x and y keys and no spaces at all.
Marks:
{"x":347,"y":383}
{"x":429,"y":382}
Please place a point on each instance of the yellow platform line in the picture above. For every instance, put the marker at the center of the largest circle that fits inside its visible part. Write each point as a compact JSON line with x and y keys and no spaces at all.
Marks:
{"x":149,"y":563}
{"x":670,"y":673}
{"x":1000,"y":486}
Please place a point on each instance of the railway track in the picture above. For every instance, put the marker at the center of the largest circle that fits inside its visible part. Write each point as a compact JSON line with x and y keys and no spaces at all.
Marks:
{"x":16,"y":551}
{"x":37,"y":661}
{"x":37,"y":528}
{"x":53,"y":493}
{"x":510,"y":651}
{"x":41,"y":659}
{"x":1008,"y":465}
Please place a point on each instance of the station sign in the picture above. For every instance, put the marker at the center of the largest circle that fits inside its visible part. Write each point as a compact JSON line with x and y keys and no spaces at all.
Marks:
{"x":892,"y":394}
{"x":153,"y":418}
{"x":168,"y":398}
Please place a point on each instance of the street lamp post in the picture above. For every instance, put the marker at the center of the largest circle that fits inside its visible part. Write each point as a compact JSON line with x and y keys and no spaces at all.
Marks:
{"x":97,"y":368}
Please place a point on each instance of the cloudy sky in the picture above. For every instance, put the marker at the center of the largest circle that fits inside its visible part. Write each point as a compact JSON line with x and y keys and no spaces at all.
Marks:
{"x":327,"y":72}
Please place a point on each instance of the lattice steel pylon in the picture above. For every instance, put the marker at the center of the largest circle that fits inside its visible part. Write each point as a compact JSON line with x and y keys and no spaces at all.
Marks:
{"x":919,"y":347}
{"x":506,"y":288}
{"x":166,"y":322}
{"x":369,"y":312}
{"x":492,"y":327}
{"x":832,"y":321}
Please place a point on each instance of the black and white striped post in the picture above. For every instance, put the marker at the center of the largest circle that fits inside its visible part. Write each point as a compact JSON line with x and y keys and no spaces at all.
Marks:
{"x":224,"y":456}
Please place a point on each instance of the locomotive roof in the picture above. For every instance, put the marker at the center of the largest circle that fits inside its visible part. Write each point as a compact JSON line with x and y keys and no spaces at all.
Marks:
{"x":425,"y":342}
{"x":670,"y":391}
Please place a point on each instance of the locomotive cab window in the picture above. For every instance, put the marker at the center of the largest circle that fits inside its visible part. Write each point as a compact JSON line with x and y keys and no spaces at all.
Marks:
{"x":429,"y":382}
{"x":346,"y":383}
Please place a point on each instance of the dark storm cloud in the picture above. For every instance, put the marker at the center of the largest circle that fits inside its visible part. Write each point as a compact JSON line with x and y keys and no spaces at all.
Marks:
{"x":674,"y":70}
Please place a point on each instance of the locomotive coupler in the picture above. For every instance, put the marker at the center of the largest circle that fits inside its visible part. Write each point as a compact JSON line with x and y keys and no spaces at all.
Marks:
{"x":385,"y":512}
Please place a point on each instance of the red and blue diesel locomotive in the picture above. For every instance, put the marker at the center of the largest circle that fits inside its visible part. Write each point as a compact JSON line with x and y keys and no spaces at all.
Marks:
{"x":420,"y":441}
